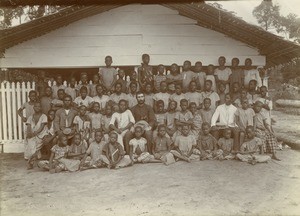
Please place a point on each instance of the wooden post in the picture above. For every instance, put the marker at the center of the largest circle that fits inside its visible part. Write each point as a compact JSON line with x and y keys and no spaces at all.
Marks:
{"x":19,"y":104}
{"x":4,"y":115}
{"x":14,"y":111}
{"x":9,"y":113}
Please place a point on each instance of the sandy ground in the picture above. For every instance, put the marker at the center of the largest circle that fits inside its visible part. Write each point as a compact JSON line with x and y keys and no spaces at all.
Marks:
{"x":199,"y":188}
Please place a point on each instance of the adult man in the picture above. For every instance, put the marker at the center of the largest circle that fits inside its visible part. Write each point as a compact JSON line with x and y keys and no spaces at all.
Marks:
{"x":64,"y":117}
{"x":142,"y":112}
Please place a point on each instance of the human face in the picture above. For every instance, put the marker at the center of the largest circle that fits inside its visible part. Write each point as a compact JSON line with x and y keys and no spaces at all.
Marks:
{"x":148,"y":89}
{"x":236,"y":87}
{"x":210,"y":70}
{"x":205,"y":129}
{"x":72,"y":82}
{"x":207,"y":86}
{"x":193,"y":108}
{"x":108,"y":110}
{"x":245,"y":104}
{"x":227,"y":134}
{"x":207,"y":104}
{"x":222,"y":88}
{"x":172,"y":105}
{"x":227,"y":99}
{"x":98,"y":136}
{"x":187,"y":65}
{"x":83,"y":93}
{"x":184,"y":106}
{"x":51,"y":115}
{"x":243,"y":94}
{"x":32,"y":97}
{"x":48,"y":92}
{"x":37,"y":107}
{"x":82,"y":110}
{"x":96,"y":107}
{"x":99,"y":90}
{"x":122,"y":106}
{"x":252,"y":85}
{"x":193,"y":86}
{"x":67,"y":102}
{"x":248,"y":62}
{"x":146,"y":59}
{"x":60,"y":94}
{"x":160,"y":108}
{"x":163,"y":87}
{"x":133,"y":88}
{"x":178,"y":89}
{"x":96,"y":78}
{"x":222,"y":61}
{"x":174,"y":69}
{"x":121,"y":74}
{"x":84,"y":78}
{"x":77,"y":139}
{"x":138,"y":132}
{"x":63,"y":141}
{"x":263,"y":91}
{"x":113,"y":137}
{"x":161,"y":69}
{"x":108,"y":61}
{"x":59,"y":80}
{"x":234,"y":62}
{"x":162,"y":132}
{"x":185,"y":130}
{"x":257,"y":107}
{"x":250,"y":133}
{"x":133,"y":76}
{"x":140,"y":98}
{"x":118,"y":88}
{"x":198,"y":67}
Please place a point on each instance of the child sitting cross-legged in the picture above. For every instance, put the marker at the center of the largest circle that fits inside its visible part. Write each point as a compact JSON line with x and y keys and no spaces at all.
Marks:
{"x":93,"y":157}
{"x":207,"y":144}
{"x":58,"y":160}
{"x":82,"y":123}
{"x":225,"y":145}
{"x":139,"y":151}
{"x":162,"y":146}
{"x":184,"y":145}
{"x":252,"y":150}
{"x":113,"y":153}
{"x":77,"y":148}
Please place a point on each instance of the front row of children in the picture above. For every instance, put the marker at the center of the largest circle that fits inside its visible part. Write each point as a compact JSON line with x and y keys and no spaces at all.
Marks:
{"x":111,"y":154}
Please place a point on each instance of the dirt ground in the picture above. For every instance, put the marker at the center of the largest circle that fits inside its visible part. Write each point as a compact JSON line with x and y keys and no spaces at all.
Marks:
{"x":199,"y":188}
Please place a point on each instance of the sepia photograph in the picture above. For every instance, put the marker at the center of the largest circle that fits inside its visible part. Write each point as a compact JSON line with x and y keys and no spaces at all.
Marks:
{"x":149,"y":107}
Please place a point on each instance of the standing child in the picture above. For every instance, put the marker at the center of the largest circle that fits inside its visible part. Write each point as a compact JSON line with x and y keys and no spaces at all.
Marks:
{"x":194,"y":96}
{"x":35,"y":133}
{"x":84,"y":99}
{"x":121,"y":122}
{"x":139,"y":150}
{"x":77,"y":148}
{"x":175,"y":76}
{"x":96,"y":117}
{"x":225,"y":145}
{"x":221,"y":93}
{"x":28,"y":106}
{"x":58,"y":102}
{"x":122,"y":80}
{"x":82,"y":123}
{"x":159,"y":77}
{"x":57,"y":86}
{"x":237,"y":75}
{"x":264,"y":131}
{"x":200,"y":75}
{"x":252,"y":150}
{"x":206,"y":113}
{"x":178,"y":95}
{"x":108,"y":75}
{"x":95,"y":151}
{"x":222,"y":73}
{"x":58,"y":160}
{"x":187,"y":76}
{"x":244,"y":118}
{"x":114,"y":155}
{"x":162,"y":95}
{"x":71,"y":90}
{"x":207,"y":144}
{"x":210,"y":76}
{"x":209,"y":93}
{"x":132,"y":101}
{"x":92,"y":87}
{"x":84,"y":83}
{"x":145,"y":73}
{"x":170,"y":116}
{"x":251,"y":73}
{"x":184,"y":145}
{"x":149,"y":95}
{"x":162,"y":146}
{"x":46,"y":100}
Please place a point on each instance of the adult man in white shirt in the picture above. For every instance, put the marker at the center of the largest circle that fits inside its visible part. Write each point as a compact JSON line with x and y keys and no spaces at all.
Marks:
{"x":224,"y":118}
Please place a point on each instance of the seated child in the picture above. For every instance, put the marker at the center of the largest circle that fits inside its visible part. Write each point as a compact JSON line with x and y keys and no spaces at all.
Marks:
{"x":170,"y":116}
{"x":161,"y":116}
{"x":83,"y":82}
{"x":238,"y":102}
{"x":206,"y":113}
{"x":210,"y":76}
{"x":139,"y":150}
{"x":84,"y":99}
{"x":148,"y":94}
{"x":263,"y":130}
{"x":252,"y":150}
{"x":162,"y":95}
{"x":58,"y":160}
{"x":162,"y":146}
{"x":207,"y":144}
{"x":117,"y":96}
{"x":243,"y":118}
{"x":132,"y":101}
{"x":184,"y":145}
{"x":252,"y":93}
{"x":96,"y":117}
{"x":225,"y":145}
{"x":221,"y":92}
{"x":58,"y":103}
{"x":105,"y":122}
{"x":209,"y":93}
{"x":77,"y":148}
{"x":82,"y":123}
{"x":121,"y":122}
{"x":100,"y":98}
{"x":133,"y":78}
{"x":159,"y":77}
{"x":35,"y":132}
{"x":178,"y":95}
{"x":57,"y":86}
{"x":95,"y":151}
{"x":121,"y":80}
{"x":194,"y":96}
{"x":184,"y":116}
{"x":197,"y":120}
{"x":267,"y":103}
{"x":113,"y":154}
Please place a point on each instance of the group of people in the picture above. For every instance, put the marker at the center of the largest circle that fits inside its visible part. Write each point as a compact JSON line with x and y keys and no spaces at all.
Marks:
{"x":223,"y":113}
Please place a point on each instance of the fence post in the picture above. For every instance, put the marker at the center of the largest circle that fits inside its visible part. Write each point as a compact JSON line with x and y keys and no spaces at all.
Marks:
{"x":9,"y":107}
{"x":19,"y":104}
{"x":1,"y":112}
{"x":4,"y":115}
{"x":14,"y":111}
